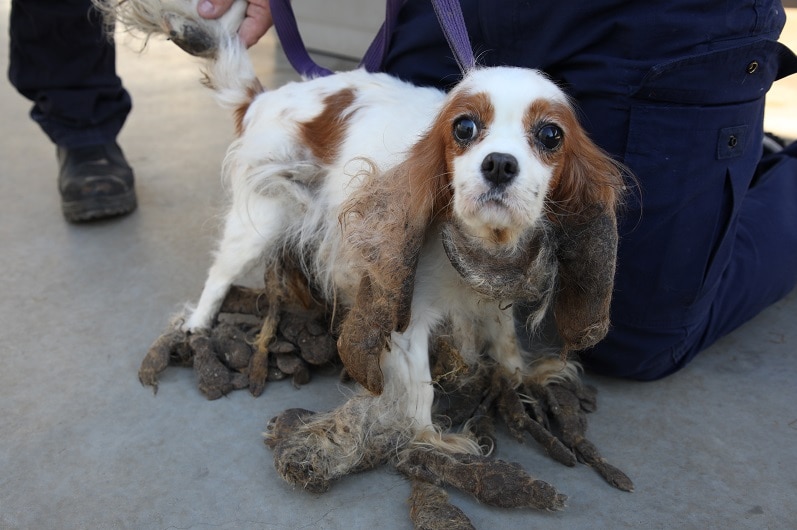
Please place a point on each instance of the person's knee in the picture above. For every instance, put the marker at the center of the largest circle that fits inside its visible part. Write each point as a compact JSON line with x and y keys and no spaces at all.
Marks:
{"x":643,"y":354}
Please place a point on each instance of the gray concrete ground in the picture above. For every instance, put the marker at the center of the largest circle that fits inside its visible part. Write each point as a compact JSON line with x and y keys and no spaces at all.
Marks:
{"x":83,"y":445}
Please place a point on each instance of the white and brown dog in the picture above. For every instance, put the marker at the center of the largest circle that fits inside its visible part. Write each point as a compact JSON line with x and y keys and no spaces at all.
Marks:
{"x":410,"y":207}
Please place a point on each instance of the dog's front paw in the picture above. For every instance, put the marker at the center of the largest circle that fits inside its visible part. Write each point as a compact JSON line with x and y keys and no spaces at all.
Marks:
{"x":219,"y":358}
{"x":311,"y":450}
{"x":430,"y":509}
{"x":491,"y":481}
{"x":296,"y":460}
{"x":564,"y":403}
{"x":170,"y":348}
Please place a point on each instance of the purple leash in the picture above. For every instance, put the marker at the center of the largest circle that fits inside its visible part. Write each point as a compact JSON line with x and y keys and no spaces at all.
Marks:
{"x":449,"y":13}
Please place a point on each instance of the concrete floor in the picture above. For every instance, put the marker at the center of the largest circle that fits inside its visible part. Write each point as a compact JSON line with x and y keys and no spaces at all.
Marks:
{"x":83,"y":445}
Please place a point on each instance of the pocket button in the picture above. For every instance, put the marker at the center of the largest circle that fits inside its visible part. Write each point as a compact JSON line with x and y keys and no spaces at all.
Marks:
{"x":731,"y":142}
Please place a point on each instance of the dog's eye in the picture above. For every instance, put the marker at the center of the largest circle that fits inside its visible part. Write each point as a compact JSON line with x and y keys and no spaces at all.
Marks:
{"x":465,"y":130}
{"x":550,"y":136}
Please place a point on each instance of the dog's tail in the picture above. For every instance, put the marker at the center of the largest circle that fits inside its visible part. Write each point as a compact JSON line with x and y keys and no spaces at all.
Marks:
{"x":228,"y":69}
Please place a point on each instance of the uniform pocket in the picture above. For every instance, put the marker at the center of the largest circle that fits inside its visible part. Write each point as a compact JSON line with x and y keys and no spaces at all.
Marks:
{"x":694,"y":142}
{"x":726,"y":76}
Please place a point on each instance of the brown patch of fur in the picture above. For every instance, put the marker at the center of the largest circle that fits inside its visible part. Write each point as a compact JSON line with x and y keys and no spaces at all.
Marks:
{"x":476,"y":106}
{"x":584,"y":175}
{"x":299,"y":286}
{"x":500,"y":236}
{"x":386,"y":223}
{"x":582,"y":202}
{"x":427,"y":171}
{"x":239,"y":113}
{"x":324,"y":134}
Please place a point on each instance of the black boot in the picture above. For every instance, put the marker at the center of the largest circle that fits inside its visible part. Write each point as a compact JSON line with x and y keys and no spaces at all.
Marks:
{"x":95,"y":182}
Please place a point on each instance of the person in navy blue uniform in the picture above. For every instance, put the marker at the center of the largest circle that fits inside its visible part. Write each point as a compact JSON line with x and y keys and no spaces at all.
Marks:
{"x":674,"y":89}
{"x":62,"y":60}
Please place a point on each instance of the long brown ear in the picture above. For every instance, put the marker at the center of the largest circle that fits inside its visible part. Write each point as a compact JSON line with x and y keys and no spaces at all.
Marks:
{"x":385,"y":223}
{"x":582,"y":207}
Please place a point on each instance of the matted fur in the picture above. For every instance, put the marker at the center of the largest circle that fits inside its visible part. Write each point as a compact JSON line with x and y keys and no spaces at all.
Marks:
{"x":313,"y":449}
{"x":394,"y":216}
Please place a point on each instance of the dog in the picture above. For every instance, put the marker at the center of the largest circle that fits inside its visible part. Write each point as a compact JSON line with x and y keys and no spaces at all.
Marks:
{"x":410,"y":208}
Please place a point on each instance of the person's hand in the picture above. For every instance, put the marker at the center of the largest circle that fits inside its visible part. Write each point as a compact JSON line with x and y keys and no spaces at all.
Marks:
{"x":258,"y":17}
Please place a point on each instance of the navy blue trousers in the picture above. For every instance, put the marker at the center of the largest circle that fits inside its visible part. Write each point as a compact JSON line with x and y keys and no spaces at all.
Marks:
{"x":675,"y":90}
{"x":60,"y":58}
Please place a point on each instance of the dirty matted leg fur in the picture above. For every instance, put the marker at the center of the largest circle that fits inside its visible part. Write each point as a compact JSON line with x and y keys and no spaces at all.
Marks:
{"x":311,"y":450}
{"x":430,"y":509}
{"x":558,"y":397}
{"x":288,"y":331}
{"x":491,"y":481}
{"x":550,"y":405}
{"x":545,"y":400}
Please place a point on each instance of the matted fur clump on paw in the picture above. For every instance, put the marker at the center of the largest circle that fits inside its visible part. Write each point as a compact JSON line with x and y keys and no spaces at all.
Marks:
{"x":311,"y":450}
{"x":550,"y":404}
{"x":430,"y":509}
{"x":248,"y":349}
{"x":567,"y":402}
{"x":489,"y":480}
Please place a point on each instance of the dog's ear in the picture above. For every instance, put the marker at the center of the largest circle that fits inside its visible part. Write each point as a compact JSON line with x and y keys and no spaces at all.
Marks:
{"x":385,"y":222}
{"x":582,"y":205}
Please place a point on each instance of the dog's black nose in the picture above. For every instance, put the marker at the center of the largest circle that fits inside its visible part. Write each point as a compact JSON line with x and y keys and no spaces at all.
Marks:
{"x":499,"y":168}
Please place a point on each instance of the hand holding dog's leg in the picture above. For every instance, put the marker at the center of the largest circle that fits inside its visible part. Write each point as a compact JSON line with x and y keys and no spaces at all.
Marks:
{"x":256,"y":23}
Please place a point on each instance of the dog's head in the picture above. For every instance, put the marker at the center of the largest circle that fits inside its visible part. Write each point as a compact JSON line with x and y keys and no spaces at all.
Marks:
{"x":504,"y":162}
{"x":501,"y":139}
{"x":521,"y":164}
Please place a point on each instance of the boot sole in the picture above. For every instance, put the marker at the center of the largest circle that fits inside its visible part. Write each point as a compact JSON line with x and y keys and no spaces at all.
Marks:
{"x":99,"y":207}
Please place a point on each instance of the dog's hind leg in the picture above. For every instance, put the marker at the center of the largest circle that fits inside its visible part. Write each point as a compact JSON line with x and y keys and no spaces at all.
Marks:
{"x":177,"y":20}
{"x":248,"y":235}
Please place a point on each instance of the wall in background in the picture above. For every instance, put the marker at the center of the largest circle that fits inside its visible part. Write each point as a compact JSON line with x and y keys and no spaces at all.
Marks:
{"x":339,"y":27}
